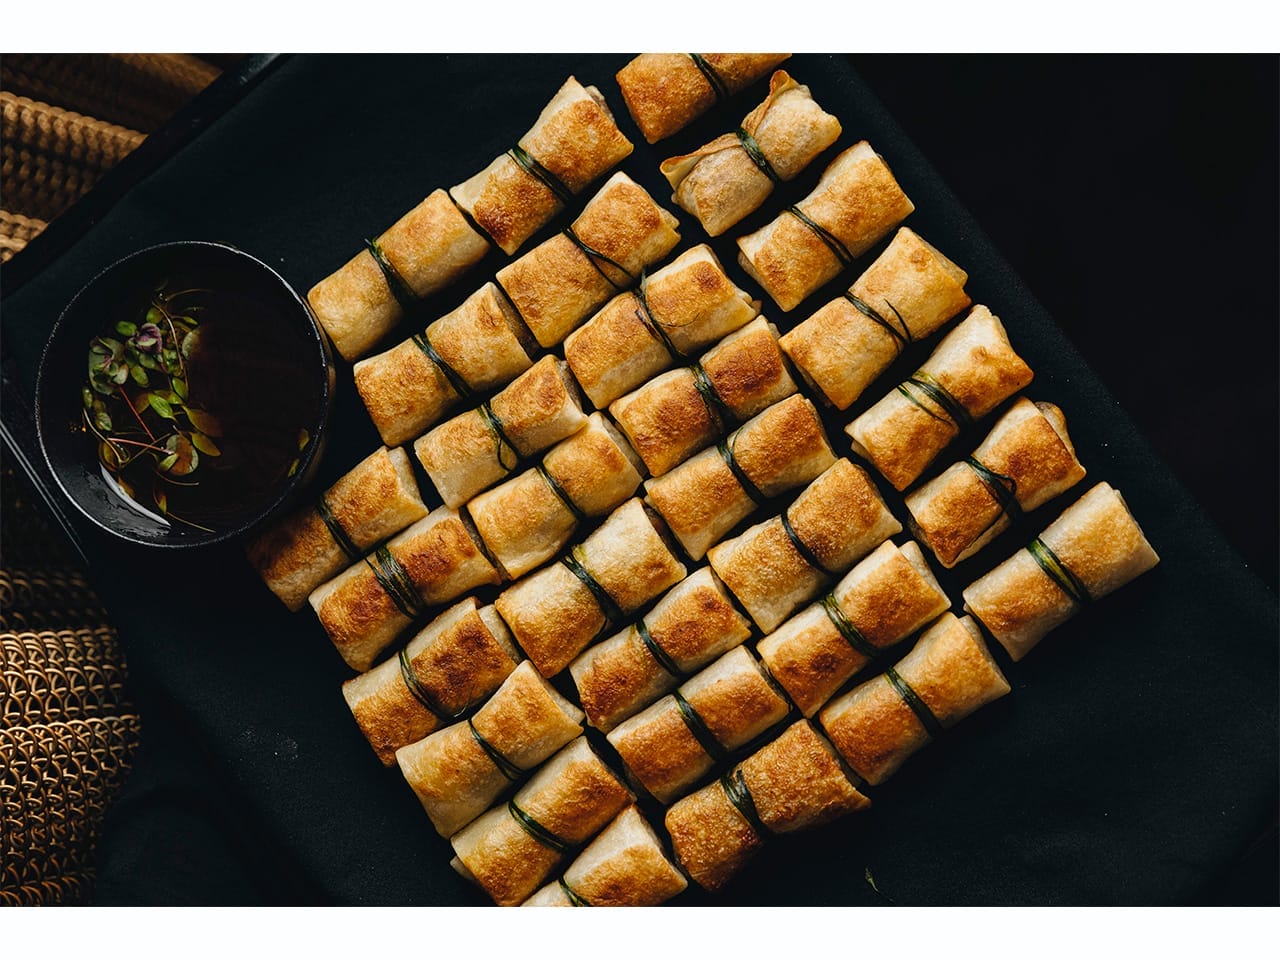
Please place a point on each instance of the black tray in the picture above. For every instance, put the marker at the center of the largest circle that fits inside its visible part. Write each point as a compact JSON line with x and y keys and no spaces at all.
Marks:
{"x":1133,"y":762}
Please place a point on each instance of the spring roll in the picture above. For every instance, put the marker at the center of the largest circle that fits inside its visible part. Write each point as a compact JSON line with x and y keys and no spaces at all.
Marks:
{"x":680,"y":412}
{"x":566,"y":278}
{"x":671,"y":745}
{"x":947,"y":676}
{"x":682,"y":308}
{"x":516,"y":845}
{"x":973,"y":370}
{"x":905,"y":295}
{"x":667,"y":91}
{"x":887,"y":597}
{"x":573,"y":142}
{"x":775,"y":566}
{"x":422,"y":252}
{"x":477,"y":347}
{"x":624,"y":866}
{"x":458,"y":772}
{"x":557,"y":611}
{"x":525,"y":521}
{"x":476,"y":449}
{"x":377,"y":498}
{"x":1026,"y":460}
{"x":794,"y":783}
{"x":728,"y":178}
{"x":1092,"y":549}
{"x":856,"y":202}
{"x":775,"y":451}
{"x":688,"y":628}
{"x":436,"y":560}
{"x":451,"y":665}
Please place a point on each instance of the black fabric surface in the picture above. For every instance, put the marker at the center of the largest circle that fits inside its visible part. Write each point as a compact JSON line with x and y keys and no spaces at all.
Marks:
{"x":1135,"y":761}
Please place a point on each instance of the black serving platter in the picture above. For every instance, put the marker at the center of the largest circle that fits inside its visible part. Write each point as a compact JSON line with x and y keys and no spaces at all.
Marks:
{"x":1134,"y":760}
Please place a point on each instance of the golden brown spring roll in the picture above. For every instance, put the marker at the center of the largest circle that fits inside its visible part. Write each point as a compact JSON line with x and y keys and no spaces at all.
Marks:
{"x":682,"y":308}
{"x":480,"y":345}
{"x":422,"y":252}
{"x":775,"y":566}
{"x":452,"y":664}
{"x":947,"y":676}
{"x":888,"y":596}
{"x":624,"y":866}
{"x":671,"y":745}
{"x":436,"y":560}
{"x":665,"y":92}
{"x":573,"y":142}
{"x":728,"y":178}
{"x":856,"y":202}
{"x":794,"y":783}
{"x":375,"y":499}
{"x":775,"y":451}
{"x":677,"y":413}
{"x":690,"y":626}
{"x":563,"y":280}
{"x":1026,"y":460}
{"x":476,"y":449}
{"x":1092,"y":549}
{"x":905,"y":295}
{"x":525,"y":521}
{"x":512,"y":848}
{"x":973,"y":370}
{"x":557,"y":611}
{"x":458,"y":772}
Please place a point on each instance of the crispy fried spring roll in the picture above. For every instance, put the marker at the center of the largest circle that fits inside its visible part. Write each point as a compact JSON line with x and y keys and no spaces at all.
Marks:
{"x":775,"y":566}
{"x":671,"y":745}
{"x":458,"y":772}
{"x":566,"y":278}
{"x":777,"y":450}
{"x":794,"y":783}
{"x":512,"y":848}
{"x":856,"y":202}
{"x":688,"y":628}
{"x":973,"y":370}
{"x":905,"y":295}
{"x":480,"y":345}
{"x":476,"y":449}
{"x":677,"y":413}
{"x":452,"y":664}
{"x":1092,"y":549}
{"x":884,"y":599}
{"x":375,"y":499}
{"x":728,"y":178}
{"x":436,"y":560}
{"x":573,"y":142}
{"x":947,"y":676}
{"x":557,"y":611}
{"x":425,"y":250}
{"x":525,"y":521}
{"x":686,"y":305}
{"x":1026,"y":460}
{"x":667,"y":91}
{"x":624,"y":866}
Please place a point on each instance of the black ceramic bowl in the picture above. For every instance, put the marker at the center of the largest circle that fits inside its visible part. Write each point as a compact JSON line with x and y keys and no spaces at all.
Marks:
{"x":71,"y":453}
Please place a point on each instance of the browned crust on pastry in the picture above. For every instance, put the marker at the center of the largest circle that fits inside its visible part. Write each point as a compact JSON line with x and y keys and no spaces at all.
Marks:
{"x":666,"y":420}
{"x":432,"y":244}
{"x":798,"y":783}
{"x":746,"y":368}
{"x":625,"y":866}
{"x":403,"y":392}
{"x":355,"y":306}
{"x":660,"y":751}
{"x":710,"y":839}
{"x":873,"y":728}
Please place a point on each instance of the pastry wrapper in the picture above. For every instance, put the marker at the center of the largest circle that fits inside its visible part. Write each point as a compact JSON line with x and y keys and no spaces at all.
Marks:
{"x":857,"y":202}
{"x":949,"y":669}
{"x":669,"y":419}
{"x":1096,"y":539}
{"x":375,"y":499}
{"x":429,"y":247}
{"x":720,"y":182}
{"x":839,"y":350}
{"x":838,"y":519}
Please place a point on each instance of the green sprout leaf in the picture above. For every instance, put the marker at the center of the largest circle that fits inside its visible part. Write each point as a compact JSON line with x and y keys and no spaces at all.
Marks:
{"x":139,"y":375}
{"x":161,"y":406}
{"x":204,"y":421}
{"x":205,"y":444}
{"x":126,"y":329}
